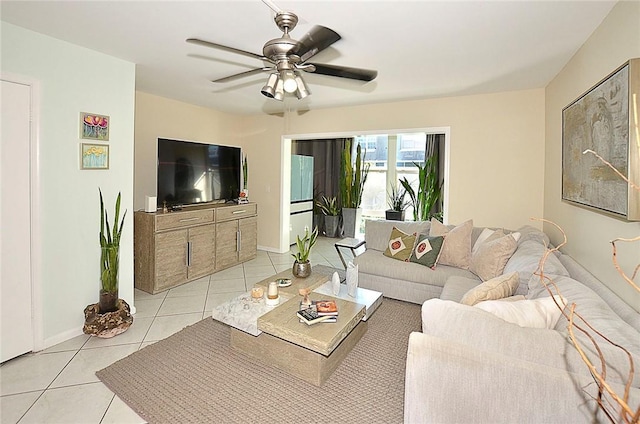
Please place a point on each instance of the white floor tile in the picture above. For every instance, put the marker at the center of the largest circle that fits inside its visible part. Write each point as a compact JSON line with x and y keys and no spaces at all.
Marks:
{"x":82,"y":368}
{"x":194,"y":288}
{"x":13,"y":407}
{"x":262,"y":270}
{"x":85,"y":404}
{"x":147,"y":308}
{"x":163,"y":327}
{"x":141,"y":295}
{"x":120,"y":413}
{"x":229,"y":273}
{"x":216,"y":299}
{"x":226,"y":286}
{"x":263,"y":261}
{"x":32,"y":372}
{"x":182,"y":305}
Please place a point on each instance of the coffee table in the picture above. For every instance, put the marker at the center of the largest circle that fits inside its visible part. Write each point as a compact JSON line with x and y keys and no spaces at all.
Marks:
{"x":310,"y":353}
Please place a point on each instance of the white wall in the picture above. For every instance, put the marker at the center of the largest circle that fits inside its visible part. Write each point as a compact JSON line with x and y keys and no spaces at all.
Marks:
{"x":166,"y":118}
{"x":615,"y":41}
{"x":73,"y":80}
{"x":496,"y":163}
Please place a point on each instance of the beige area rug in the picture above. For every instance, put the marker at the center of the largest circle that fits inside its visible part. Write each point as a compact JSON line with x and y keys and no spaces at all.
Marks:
{"x":195,"y":377}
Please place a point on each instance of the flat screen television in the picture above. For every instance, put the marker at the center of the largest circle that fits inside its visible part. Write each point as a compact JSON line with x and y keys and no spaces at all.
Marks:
{"x":190,"y":172}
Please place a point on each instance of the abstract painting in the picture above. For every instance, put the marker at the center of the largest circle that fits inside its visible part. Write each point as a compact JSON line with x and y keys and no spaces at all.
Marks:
{"x":94,"y":127}
{"x":94,"y":156}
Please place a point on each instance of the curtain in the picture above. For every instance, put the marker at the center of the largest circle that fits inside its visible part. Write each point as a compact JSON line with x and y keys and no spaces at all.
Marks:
{"x":326,"y":163}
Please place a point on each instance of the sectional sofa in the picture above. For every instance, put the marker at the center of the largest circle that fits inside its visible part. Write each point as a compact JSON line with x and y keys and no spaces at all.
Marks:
{"x":469,"y":365}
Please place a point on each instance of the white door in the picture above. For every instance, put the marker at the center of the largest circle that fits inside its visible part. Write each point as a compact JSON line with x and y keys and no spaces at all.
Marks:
{"x":15,"y":230}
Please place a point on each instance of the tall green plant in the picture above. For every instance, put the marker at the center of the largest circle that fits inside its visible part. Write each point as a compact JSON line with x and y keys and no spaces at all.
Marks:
{"x":429,"y":189}
{"x":353,"y":177}
{"x":328,"y":206}
{"x":110,"y":246}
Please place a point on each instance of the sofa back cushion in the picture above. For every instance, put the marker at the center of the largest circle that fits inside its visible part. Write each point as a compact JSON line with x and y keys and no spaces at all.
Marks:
{"x":526,"y":259}
{"x":377,"y":233}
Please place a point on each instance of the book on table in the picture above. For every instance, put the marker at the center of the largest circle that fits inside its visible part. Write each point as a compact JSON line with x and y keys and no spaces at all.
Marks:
{"x":310,"y":316}
{"x":322,"y":307}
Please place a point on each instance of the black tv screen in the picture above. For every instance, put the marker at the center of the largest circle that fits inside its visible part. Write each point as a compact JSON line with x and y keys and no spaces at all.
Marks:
{"x":190,"y":172}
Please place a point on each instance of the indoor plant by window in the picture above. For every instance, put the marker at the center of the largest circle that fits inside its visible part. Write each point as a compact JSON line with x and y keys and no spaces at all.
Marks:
{"x":301,"y":265}
{"x":352,"y":180}
{"x":428,"y":193}
{"x":397,"y":203}
{"x":109,"y":257}
{"x":331,"y":211}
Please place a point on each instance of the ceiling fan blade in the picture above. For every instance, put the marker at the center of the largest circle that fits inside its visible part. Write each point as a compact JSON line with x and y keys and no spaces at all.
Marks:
{"x":316,"y":40}
{"x":242,"y":74}
{"x":226,"y":48}
{"x":344,"y":72}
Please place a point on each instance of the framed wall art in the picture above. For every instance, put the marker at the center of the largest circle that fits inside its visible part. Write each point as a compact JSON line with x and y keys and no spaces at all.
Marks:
{"x":94,"y":156}
{"x":604,"y":120}
{"x":94,"y":127}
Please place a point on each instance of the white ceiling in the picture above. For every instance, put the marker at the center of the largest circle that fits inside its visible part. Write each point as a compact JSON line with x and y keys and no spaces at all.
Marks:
{"x":421,"y":49}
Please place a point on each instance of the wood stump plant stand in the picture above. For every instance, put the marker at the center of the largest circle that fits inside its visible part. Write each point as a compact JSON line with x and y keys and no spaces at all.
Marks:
{"x":109,"y":324}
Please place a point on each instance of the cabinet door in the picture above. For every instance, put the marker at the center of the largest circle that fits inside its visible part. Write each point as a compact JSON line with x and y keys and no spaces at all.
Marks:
{"x":202,"y":241}
{"x":226,"y":244}
{"x":248,"y":238}
{"x":171,"y":259}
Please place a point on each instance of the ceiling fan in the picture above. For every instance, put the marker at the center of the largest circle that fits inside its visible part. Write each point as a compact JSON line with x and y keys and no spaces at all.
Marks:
{"x":287,"y":57}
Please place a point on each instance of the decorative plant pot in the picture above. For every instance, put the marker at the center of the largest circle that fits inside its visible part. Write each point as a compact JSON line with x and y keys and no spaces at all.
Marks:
{"x":301,"y":269}
{"x":109,"y":265}
{"x":392,"y":215}
{"x":331,"y":225}
{"x":352,"y":218}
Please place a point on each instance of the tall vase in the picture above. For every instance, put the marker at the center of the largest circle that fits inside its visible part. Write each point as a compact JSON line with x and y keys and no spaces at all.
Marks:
{"x":352,"y":218}
{"x":109,"y":266}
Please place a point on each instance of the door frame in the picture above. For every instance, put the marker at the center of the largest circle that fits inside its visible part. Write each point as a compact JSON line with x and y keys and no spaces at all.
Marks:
{"x":34,"y":213}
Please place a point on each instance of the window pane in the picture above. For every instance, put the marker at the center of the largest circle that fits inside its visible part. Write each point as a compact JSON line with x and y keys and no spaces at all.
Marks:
{"x":374,"y":196}
{"x":410,"y":149}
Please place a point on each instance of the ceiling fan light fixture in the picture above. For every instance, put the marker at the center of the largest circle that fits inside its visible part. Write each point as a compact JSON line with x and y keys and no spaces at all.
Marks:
{"x":303,"y":90}
{"x":279,"y":90}
{"x":269,"y":90}
{"x":290,"y":85}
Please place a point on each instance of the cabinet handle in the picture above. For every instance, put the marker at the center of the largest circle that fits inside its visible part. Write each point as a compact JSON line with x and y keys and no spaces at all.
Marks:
{"x":189,"y":250}
{"x":237,"y":212}
{"x":189,"y":219}
{"x":239,"y":238}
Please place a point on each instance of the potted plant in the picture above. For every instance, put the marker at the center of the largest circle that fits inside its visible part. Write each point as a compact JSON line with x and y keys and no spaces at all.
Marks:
{"x":109,"y":257}
{"x":428,"y":193}
{"x":331,"y":211}
{"x":397,"y":204}
{"x":352,"y":180}
{"x":301,"y":265}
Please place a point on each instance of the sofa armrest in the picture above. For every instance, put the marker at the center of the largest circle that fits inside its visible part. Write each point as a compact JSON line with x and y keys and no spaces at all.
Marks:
{"x":450,"y":382}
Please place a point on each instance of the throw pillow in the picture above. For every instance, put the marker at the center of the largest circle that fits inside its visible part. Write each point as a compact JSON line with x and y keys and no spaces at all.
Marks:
{"x":427,"y":250}
{"x":400,"y":245}
{"x":496,"y":288}
{"x":456,"y":249}
{"x":492,"y":256}
{"x":535,"y":313}
{"x":484,"y":235}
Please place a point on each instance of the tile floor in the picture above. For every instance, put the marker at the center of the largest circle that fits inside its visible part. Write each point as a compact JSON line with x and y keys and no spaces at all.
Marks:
{"x":59,"y":385}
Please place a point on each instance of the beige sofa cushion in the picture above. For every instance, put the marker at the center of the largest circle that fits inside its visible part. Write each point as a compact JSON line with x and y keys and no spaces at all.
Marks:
{"x":496,"y":288}
{"x":456,"y":250}
{"x":492,"y":256}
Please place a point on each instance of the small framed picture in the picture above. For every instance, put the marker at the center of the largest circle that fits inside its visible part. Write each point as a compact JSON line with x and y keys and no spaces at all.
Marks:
{"x":94,"y":127}
{"x":94,"y":156}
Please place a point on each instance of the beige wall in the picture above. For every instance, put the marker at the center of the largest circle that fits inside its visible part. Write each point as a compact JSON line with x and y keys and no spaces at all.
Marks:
{"x":496,"y":163}
{"x":613,"y":43}
{"x":162,"y":117}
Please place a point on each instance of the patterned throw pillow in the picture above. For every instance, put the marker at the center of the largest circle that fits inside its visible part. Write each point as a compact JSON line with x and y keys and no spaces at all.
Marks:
{"x":427,"y":250}
{"x":400,"y":245}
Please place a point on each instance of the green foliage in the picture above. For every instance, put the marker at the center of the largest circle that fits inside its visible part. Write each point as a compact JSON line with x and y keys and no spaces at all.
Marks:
{"x":305,"y":244}
{"x":396,"y":199}
{"x":328,"y":206}
{"x":110,"y":246}
{"x":429,"y":189}
{"x":353,"y":177}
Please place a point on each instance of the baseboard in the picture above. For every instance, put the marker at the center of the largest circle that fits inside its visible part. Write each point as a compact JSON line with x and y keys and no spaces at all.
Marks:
{"x":62,"y":337}
{"x":271,"y":249}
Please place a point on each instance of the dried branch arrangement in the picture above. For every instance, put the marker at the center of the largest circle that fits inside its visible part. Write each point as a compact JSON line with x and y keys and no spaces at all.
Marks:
{"x":615,"y":406}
